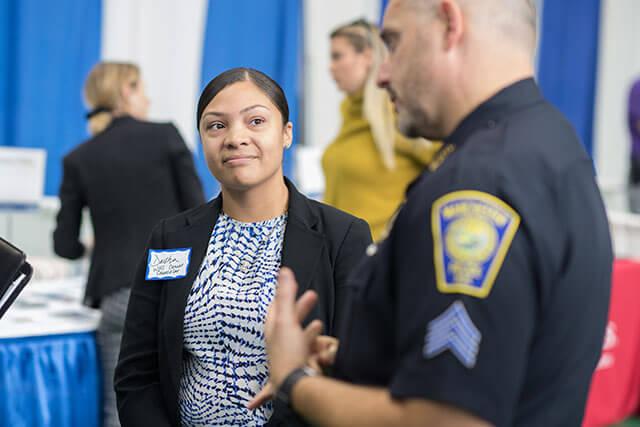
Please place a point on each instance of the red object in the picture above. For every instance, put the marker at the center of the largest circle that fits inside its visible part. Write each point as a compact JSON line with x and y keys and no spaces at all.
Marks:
{"x":615,"y":387}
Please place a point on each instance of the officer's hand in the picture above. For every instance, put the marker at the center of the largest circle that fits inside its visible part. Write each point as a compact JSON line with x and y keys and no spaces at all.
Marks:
{"x":288,"y":345}
{"x":265,"y":395}
{"x":323,"y":354}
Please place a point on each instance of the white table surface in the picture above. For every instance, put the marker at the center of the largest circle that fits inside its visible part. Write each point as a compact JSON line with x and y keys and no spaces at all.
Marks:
{"x":49,"y":307}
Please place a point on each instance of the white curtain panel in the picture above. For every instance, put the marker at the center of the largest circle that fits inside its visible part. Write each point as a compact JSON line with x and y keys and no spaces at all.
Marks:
{"x":165,"y":38}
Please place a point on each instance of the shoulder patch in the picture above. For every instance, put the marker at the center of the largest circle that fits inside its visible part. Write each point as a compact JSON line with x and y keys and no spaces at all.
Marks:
{"x":472,"y":233}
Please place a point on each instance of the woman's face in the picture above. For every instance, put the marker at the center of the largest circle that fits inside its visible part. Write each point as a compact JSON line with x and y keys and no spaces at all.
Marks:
{"x":135,"y":100}
{"x":349,"y":68}
{"x":243,"y":137}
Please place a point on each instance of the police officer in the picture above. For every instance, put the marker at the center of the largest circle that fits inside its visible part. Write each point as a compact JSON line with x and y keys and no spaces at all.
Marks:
{"x":487,"y":303}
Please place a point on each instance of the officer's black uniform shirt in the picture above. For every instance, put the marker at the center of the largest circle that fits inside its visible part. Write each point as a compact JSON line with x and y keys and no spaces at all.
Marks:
{"x":491,"y":291}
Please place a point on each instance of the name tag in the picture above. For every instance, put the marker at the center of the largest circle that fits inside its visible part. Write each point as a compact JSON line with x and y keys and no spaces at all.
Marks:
{"x":168,"y":264}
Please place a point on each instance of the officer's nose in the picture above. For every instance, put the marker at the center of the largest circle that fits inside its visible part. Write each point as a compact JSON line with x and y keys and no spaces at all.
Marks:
{"x":384,"y":74}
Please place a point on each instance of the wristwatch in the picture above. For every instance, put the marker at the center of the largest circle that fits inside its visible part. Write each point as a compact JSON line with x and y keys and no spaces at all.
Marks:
{"x":284,"y":392}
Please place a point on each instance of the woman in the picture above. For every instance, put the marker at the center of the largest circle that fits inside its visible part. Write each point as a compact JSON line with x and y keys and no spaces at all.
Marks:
{"x":193,"y":347}
{"x":369,"y":165}
{"x":130,"y":174}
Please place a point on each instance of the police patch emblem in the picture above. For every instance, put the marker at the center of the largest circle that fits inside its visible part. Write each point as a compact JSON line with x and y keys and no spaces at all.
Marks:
{"x":472,"y":232}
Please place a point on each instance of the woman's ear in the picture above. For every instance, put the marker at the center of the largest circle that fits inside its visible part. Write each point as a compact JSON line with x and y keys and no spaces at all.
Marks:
{"x":288,"y":134}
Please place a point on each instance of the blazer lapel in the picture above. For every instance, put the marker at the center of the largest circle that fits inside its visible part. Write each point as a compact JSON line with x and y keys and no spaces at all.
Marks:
{"x":195,"y":235}
{"x":302,"y":244}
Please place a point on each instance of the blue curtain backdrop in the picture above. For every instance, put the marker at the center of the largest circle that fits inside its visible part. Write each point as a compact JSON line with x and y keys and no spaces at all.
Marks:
{"x":46,"y":50}
{"x":265,"y":35}
{"x":568,"y":60}
{"x":5,"y":45}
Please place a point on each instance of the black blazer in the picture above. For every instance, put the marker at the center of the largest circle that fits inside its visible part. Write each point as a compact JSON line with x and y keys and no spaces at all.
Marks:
{"x":321,"y":244}
{"x":131,"y":175}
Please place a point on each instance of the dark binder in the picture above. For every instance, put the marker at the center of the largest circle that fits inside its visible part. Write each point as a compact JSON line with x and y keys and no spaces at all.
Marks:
{"x":15,"y":273}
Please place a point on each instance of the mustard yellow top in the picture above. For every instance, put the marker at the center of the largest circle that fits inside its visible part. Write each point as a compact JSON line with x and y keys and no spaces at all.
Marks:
{"x":356,"y":180}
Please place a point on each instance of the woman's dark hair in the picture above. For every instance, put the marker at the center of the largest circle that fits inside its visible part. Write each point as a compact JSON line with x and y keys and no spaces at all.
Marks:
{"x":265,"y":83}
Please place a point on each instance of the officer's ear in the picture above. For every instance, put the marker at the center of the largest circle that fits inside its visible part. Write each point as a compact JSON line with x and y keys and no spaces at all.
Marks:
{"x":451,"y":13}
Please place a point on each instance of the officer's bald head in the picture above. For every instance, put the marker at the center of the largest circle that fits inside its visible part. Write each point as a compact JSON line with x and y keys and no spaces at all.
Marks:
{"x":508,"y":21}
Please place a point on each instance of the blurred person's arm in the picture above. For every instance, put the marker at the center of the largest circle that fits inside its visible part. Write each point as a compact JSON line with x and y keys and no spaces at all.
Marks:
{"x":188,"y":183}
{"x":66,"y":241}
{"x":137,"y":375}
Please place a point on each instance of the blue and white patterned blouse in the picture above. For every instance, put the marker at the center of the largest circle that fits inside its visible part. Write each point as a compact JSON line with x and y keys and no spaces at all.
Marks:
{"x":225,"y":362}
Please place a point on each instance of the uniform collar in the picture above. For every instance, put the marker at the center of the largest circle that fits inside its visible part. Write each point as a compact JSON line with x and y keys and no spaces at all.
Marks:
{"x":488,"y":114}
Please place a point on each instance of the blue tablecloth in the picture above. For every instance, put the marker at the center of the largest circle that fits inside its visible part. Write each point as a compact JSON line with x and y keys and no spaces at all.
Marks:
{"x":50,"y":381}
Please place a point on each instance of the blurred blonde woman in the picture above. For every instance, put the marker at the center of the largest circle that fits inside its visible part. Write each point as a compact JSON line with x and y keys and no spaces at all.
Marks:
{"x":369,"y":165}
{"x":130,"y":174}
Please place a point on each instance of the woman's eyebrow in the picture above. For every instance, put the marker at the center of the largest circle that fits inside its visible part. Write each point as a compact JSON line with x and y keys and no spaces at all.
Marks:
{"x":244,"y":110}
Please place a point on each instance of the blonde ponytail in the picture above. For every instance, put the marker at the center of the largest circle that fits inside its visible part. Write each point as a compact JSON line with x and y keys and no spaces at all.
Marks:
{"x":100,"y":122}
{"x":377,"y":107}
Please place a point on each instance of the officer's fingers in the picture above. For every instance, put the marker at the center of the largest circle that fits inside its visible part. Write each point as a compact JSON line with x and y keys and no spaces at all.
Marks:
{"x":326,"y":349}
{"x":285,"y":300}
{"x":305,"y":304}
{"x":323,"y":342}
{"x":328,"y":357}
{"x":312,"y":331}
{"x":313,"y":363}
{"x":270,"y":321}
{"x":261,"y":398}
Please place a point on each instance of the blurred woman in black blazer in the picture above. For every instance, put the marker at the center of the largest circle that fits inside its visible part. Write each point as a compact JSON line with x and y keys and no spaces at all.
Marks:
{"x":130,"y":174}
{"x":193,"y":345}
